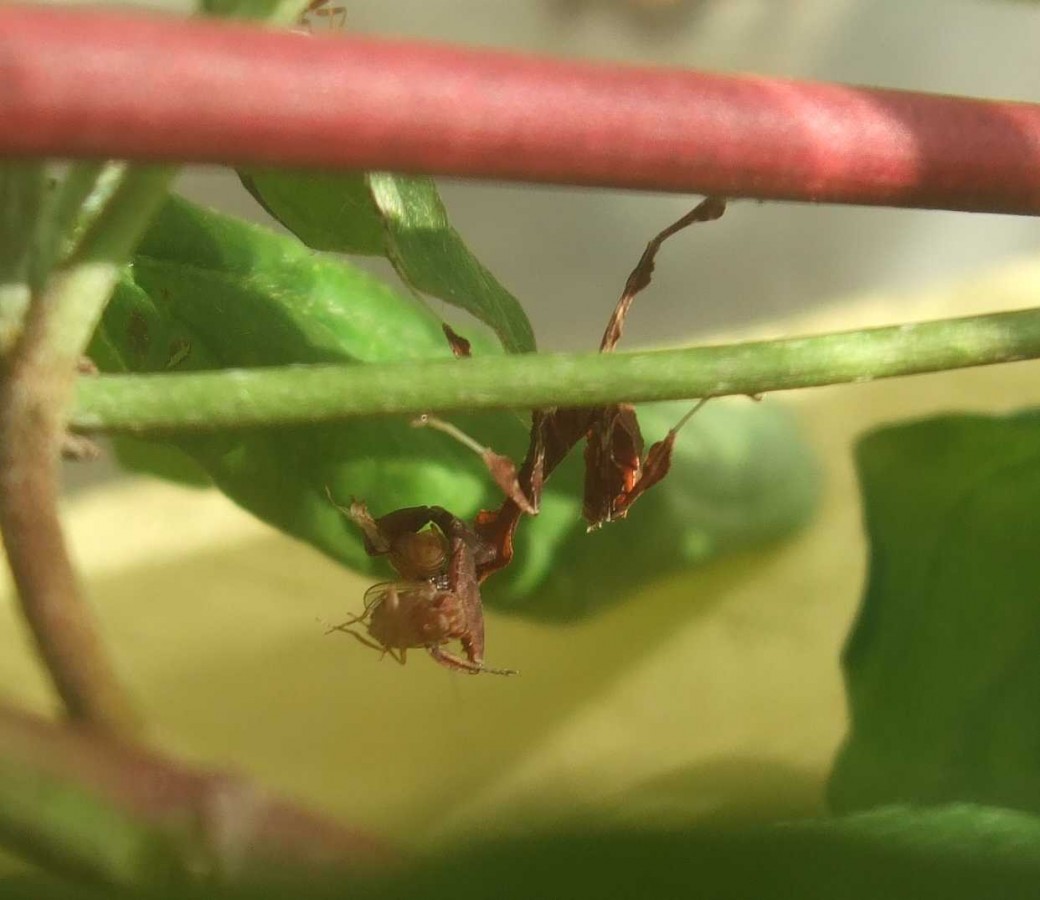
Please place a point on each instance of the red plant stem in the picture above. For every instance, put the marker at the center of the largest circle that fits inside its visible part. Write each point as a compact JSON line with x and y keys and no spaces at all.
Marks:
{"x":100,"y":84}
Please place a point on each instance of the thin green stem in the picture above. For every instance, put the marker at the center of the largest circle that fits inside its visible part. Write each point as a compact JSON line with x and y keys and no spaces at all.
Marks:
{"x":22,"y":193}
{"x":77,"y":291}
{"x":75,"y":205}
{"x":296,"y":394}
{"x":426,"y":421}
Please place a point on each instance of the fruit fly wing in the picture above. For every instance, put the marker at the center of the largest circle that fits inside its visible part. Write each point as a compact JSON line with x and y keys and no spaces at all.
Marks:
{"x":402,"y":591}
{"x":376,"y":594}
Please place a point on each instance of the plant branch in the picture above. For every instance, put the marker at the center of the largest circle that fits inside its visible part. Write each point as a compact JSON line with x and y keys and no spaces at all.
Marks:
{"x":22,"y":201}
{"x":97,"y":84}
{"x":298,"y":394}
{"x":91,"y":807}
{"x":75,"y":204}
{"x":35,"y":395}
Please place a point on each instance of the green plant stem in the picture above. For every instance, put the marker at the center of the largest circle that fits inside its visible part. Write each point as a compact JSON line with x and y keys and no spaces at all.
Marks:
{"x":77,"y":292}
{"x":35,"y":395}
{"x":75,"y":204}
{"x":288,"y":395}
{"x":89,"y":807}
{"x":22,"y":192}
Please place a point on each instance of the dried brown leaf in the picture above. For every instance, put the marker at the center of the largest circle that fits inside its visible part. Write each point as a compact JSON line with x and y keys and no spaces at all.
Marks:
{"x":459,"y":345}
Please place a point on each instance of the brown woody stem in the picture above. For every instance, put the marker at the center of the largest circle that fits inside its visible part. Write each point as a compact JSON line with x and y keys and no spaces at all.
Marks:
{"x":35,"y":395}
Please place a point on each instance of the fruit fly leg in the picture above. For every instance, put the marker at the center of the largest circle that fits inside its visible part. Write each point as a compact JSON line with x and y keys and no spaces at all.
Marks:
{"x":337,"y":16}
{"x":334,"y":16}
{"x":502,"y":468}
{"x":345,"y":628}
{"x":397,"y":654}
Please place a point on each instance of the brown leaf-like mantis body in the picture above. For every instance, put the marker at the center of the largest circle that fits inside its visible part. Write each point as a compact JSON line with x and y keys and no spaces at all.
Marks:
{"x":442,"y":560}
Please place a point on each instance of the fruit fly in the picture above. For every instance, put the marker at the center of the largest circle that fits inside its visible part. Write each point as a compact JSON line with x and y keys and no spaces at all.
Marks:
{"x":442,"y":561}
{"x":323,"y":15}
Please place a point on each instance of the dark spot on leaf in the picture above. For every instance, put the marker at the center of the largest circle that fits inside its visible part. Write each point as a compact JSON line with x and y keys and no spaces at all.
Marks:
{"x":179,"y":350}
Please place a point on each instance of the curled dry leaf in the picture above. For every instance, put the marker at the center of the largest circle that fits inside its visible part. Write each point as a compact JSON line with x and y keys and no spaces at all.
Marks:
{"x":503,"y":470}
{"x":614,"y":468}
{"x":459,"y":345}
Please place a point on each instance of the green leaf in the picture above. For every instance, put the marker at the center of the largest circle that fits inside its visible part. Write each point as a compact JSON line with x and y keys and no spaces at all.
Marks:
{"x":38,"y":885}
{"x":943,"y":664}
{"x":430,"y":256}
{"x":136,"y":335}
{"x":325,"y":211}
{"x":42,"y":219}
{"x":402,"y":218}
{"x":22,"y":191}
{"x":206,"y":291}
{"x":895,"y":853}
{"x":23,"y":188}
